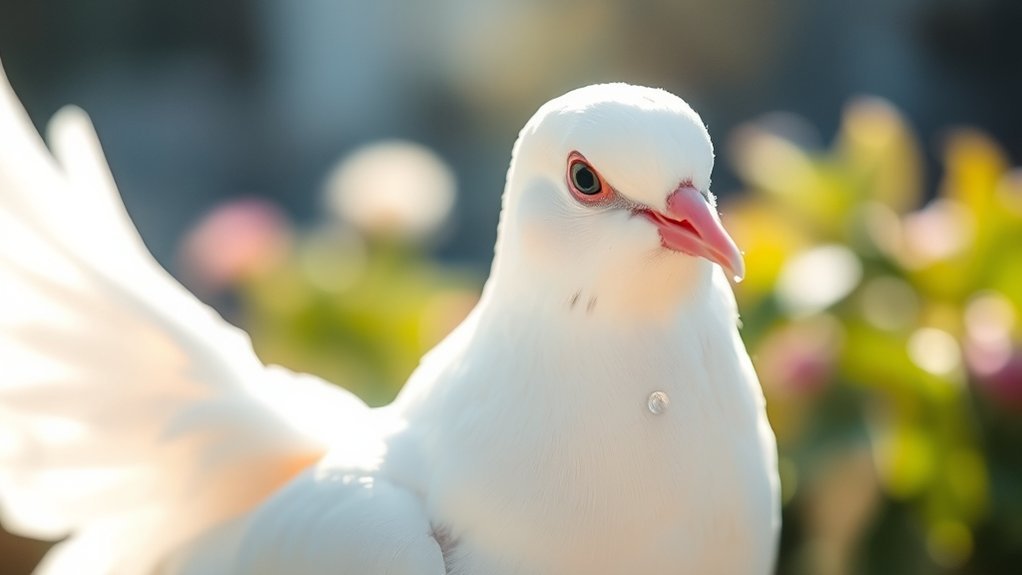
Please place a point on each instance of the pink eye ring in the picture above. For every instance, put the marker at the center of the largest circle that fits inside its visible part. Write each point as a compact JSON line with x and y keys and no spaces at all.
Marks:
{"x":585,"y":183}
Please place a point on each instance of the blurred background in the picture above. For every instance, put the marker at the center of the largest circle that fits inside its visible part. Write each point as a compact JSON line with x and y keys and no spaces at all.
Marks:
{"x":328,"y":174}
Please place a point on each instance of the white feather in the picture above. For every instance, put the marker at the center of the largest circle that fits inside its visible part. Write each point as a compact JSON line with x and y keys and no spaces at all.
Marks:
{"x":131,"y":414}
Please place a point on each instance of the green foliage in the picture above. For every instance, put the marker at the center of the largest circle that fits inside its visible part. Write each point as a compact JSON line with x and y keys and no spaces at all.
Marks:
{"x":358,"y":312}
{"x":883,"y":326}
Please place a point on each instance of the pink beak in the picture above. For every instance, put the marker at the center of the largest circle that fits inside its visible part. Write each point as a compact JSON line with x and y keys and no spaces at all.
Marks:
{"x":690,"y":227}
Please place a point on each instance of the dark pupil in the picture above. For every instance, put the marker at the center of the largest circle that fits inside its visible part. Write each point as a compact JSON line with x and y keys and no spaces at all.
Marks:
{"x":585,"y":179}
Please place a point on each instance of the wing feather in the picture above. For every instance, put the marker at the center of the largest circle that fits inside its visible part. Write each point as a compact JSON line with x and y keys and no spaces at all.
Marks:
{"x":129,"y":411}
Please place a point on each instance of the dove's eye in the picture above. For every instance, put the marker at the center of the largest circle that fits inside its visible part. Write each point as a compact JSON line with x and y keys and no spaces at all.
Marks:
{"x":584,"y":182}
{"x":584,"y":179}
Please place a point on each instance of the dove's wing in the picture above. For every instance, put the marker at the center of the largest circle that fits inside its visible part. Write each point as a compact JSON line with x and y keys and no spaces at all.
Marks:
{"x":130,"y":413}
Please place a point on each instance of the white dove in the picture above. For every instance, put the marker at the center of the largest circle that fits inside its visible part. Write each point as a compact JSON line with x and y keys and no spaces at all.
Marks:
{"x":596,"y":413}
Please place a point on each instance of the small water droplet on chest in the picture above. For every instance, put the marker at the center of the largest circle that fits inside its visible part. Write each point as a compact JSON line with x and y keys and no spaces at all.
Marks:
{"x":658,"y":402}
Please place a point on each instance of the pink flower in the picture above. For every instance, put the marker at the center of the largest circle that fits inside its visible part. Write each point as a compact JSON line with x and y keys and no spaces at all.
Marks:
{"x":993,"y":358}
{"x":798,"y":359}
{"x":235,"y":241}
{"x":997,"y":373}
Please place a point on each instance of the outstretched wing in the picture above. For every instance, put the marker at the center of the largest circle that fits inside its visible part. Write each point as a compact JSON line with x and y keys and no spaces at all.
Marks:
{"x":130,"y":413}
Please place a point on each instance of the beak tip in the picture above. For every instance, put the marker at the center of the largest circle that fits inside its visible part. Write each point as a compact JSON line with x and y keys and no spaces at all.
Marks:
{"x":737,"y":271}
{"x":732,"y":260}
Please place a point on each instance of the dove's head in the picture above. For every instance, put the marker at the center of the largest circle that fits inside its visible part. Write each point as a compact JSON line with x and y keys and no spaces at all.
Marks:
{"x":608,"y":206}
